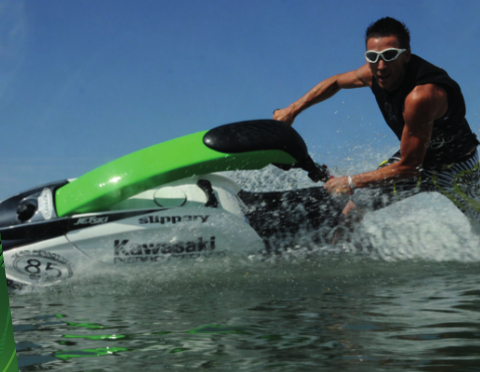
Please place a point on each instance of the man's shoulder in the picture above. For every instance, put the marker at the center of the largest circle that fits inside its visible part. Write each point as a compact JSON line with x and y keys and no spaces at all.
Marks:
{"x":428,"y":99}
{"x":421,"y":66}
{"x":426,"y":92}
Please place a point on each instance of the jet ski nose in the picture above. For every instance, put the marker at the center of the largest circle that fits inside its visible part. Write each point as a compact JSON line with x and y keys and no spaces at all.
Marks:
{"x":26,"y":209}
{"x":34,"y":205}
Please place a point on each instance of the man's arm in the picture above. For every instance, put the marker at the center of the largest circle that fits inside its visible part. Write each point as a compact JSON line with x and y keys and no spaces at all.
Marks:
{"x":324,"y":90}
{"x":423,"y":106}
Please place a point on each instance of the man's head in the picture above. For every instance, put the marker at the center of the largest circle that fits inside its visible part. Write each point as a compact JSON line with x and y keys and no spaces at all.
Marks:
{"x":389,"y":27}
{"x":388,"y":68}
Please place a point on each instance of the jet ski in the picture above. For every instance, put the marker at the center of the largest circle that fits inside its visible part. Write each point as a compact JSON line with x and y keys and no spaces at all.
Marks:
{"x":164,"y":203}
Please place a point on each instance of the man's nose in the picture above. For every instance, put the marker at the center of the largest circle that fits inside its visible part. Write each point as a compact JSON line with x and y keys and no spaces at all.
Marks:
{"x":381,"y":64}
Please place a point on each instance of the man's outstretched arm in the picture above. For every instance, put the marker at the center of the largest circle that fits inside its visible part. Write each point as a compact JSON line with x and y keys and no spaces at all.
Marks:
{"x":324,"y":90}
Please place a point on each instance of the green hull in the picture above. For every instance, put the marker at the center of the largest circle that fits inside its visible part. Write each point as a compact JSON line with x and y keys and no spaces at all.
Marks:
{"x":154,"y":166}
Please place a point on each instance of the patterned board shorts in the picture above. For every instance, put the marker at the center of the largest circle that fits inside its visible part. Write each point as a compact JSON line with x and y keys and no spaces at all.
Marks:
{"x":459,"y":182}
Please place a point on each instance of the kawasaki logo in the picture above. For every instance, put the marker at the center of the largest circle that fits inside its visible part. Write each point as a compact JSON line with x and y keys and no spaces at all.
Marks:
{"x":172,"y":219}
{"x":126,"y":248}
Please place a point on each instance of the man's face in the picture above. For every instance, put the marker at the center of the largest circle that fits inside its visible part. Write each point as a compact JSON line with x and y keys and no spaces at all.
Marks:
{"x":389,"y":75}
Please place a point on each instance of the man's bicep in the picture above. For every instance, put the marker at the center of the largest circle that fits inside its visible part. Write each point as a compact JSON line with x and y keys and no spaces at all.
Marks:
{"x":354,"y":79}
{"x":419,"y":117}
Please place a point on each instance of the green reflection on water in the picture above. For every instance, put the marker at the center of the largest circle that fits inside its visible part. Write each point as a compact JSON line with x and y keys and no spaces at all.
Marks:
{"x":86,"y":325}
{"x":88,"y":353}
{"x":96,"y":337}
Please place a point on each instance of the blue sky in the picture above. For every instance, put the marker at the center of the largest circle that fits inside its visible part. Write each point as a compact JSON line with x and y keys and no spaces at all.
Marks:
{"x":84,"y":82}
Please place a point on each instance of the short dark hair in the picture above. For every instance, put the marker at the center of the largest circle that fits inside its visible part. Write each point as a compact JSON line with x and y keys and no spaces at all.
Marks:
{"x":389,"y":27}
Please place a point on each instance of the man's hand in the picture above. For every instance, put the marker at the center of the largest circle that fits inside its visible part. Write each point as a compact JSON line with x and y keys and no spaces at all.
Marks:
{"x":284,"y":115}
{"x":337,"y":186}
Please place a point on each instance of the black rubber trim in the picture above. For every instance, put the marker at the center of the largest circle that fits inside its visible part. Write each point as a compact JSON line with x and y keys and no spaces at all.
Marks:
{"x":261,"y":135}
{"x":256,"y":135}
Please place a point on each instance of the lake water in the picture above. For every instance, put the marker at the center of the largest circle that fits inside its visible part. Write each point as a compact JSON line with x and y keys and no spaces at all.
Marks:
{"x":405,"y":297}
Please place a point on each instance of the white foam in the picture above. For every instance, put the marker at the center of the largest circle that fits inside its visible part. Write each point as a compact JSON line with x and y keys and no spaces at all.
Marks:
{"x":427,"y":226}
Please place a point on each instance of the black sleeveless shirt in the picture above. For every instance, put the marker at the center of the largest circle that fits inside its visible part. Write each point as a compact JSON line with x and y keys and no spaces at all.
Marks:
{"x":452,"y":137}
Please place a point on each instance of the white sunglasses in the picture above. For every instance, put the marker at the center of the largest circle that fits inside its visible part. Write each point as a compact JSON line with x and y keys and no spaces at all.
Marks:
{"x":388,"y":55}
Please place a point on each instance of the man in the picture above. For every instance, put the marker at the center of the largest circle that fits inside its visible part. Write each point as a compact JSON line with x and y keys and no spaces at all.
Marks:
{"x":425,"y":109}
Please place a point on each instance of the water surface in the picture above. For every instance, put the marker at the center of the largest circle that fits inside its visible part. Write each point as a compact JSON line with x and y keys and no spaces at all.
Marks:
{"x":404,"y":296}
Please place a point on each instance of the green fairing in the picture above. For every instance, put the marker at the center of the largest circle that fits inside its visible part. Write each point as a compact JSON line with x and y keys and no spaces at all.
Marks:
{"x":152,"y":167}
